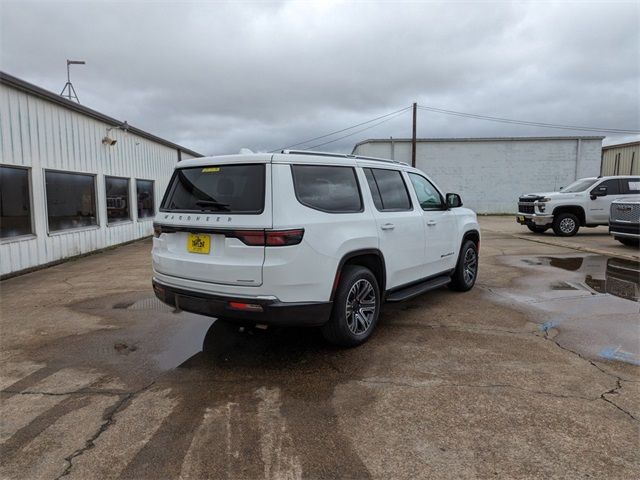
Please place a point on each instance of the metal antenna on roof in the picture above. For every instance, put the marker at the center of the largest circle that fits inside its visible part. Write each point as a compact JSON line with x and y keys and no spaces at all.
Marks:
{"x":68,"y":87}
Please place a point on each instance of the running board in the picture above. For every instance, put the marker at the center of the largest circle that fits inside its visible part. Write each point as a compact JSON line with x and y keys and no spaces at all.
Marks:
{"x":418,"y":289}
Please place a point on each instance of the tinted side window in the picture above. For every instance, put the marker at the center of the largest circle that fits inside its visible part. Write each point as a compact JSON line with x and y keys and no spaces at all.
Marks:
{"x":327,"y":188}
{"x":631,"y":185}
{"x":613,"y":187}
{"x":15,"y":203}
{"x":427,"y":194}
{"x":390,"y":187}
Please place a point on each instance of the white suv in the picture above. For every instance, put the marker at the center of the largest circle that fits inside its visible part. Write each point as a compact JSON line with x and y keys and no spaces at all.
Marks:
{"x":307,"y":238}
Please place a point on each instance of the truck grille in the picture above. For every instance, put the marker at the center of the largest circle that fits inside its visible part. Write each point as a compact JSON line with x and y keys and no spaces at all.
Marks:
{"x":625,"y":212}
{"x":525,"y":208}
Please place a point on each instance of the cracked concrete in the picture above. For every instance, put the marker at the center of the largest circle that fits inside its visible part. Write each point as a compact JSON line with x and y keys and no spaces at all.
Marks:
{"x":450,"y":386}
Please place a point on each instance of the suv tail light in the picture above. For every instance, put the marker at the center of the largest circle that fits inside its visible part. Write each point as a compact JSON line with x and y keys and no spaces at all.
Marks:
{"x":254,"y":238}
{"x":269,"y":238}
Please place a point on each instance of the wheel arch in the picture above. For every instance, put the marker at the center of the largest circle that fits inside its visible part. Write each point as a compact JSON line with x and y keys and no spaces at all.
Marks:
{"x":577,"y":210}
{"x":473,"y":235}
{"x":370,"y":258}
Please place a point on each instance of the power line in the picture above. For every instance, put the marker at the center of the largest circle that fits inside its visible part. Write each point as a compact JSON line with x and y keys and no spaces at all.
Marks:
{"x":339,"y":131}
{"x":525,"y":122}
{"x":358,"y":131}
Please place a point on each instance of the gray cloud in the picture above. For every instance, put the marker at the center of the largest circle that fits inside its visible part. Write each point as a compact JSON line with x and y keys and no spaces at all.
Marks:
{"x":219,"y":76}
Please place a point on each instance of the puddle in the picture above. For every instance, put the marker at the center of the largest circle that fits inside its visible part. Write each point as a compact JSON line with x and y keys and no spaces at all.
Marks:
{"x":591,"y":302}
{"x":613,"y":276}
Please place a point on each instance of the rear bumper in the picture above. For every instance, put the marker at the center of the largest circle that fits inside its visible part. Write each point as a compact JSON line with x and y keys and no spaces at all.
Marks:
{"x":624,"y":229}
{"x":263,"y":311}
{"x":540,"y":220}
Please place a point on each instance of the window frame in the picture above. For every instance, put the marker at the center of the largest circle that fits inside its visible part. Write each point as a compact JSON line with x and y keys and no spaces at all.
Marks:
{"x":153,"y":186}
{"x":443,"y":201}
{"x":355,"y":176}
{"x":46,"y":201}
{"x":106,"y":209}
{"x":32,"y":223}
{"x":404,"y":182}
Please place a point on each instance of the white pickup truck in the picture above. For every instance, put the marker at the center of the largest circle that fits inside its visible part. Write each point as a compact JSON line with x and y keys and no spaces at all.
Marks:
{"x":584,"y":203}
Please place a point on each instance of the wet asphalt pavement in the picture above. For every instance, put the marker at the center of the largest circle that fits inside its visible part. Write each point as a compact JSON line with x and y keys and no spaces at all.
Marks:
{"x":533,"y":374}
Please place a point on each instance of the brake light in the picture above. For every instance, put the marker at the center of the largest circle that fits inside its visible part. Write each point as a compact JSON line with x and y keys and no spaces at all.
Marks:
{"x":157,"y":230}
{"x":270,"y":238}
{"x":250,"y":237}
{"x":278,"y":238}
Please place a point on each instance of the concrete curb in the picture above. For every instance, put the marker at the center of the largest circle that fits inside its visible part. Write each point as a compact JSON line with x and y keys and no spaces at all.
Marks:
{"x":558,"y":243}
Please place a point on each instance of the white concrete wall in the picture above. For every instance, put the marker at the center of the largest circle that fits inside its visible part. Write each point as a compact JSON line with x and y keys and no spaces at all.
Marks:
{"x":491,"y":175}
{"x":40,"y":135}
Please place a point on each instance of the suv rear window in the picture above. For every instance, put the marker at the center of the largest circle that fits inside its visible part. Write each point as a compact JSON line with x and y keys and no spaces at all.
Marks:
{"x":329,"y":189}
{"x":217,"y":188}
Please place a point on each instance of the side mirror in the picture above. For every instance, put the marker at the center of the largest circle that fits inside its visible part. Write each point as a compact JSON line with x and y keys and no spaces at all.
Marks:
{"x":453,"y":200}
{"x":598,"y":192}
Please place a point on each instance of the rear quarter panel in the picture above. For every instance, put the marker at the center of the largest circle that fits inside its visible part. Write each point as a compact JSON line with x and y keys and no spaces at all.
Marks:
{"x":306,"y":272}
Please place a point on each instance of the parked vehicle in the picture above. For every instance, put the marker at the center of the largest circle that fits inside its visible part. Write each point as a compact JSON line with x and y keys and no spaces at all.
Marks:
{"x":303,"y":238}
{"x":584,"y":203}
{"x":624,"y":220}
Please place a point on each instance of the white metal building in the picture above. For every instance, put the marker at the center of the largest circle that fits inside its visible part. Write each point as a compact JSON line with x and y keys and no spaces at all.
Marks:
{"x":65,"y":189}
{"x":491,"y":173}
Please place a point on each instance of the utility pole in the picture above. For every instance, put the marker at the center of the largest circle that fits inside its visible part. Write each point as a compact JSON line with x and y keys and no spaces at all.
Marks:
{"x":413,"y":136}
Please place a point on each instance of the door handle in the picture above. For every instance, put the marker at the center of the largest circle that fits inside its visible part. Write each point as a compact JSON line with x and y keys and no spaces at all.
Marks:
{"x":431,"y":223}
{"x":388,"y":226}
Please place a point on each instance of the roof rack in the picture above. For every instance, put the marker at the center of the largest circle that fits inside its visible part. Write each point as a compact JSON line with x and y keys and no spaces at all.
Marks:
{"x":342,"y":155}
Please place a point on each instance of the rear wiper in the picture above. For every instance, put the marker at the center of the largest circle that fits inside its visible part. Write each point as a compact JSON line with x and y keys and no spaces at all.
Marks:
{"x":211,"y":203}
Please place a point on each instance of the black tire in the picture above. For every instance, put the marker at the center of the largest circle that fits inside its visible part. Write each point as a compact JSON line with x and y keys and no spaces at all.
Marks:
{"x":629,"y":242}
{"x":537,"y":229}
{"x":566,"y":225}
{"x":466,"y":272}
{"x":349,"y":331}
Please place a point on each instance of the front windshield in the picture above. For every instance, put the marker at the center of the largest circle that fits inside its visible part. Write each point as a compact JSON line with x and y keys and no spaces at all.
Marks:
{"x":579,"y":185}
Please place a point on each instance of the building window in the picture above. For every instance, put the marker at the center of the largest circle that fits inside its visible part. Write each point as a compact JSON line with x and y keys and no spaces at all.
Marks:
{"x":15,"y":202}
{"x":71,"y":200}
{"x":144,"y":192}
{"x":118,"y":200}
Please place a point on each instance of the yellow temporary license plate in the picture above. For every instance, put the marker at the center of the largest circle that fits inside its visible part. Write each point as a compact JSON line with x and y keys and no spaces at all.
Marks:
{"x":197,"y":243}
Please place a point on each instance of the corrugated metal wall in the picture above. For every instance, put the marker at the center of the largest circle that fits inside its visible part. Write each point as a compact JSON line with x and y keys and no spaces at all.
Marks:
{"x":622,"y":160}
{"x":41,"y":135}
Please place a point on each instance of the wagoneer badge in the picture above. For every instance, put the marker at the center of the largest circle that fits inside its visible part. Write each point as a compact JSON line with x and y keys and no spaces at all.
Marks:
{"x":624,"y":208}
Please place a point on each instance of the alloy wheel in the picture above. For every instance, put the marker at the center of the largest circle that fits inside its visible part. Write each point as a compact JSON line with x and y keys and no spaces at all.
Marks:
{"x":567,"y":225}
{"x":470,"y":266}
{"x":361,"y":306}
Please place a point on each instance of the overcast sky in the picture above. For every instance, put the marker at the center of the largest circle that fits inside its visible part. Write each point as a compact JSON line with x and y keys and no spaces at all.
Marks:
{"x":218,"y":76}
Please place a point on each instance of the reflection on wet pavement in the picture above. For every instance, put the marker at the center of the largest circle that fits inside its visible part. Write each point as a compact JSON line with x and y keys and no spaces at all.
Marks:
{"x":604,"y":275}
{"x":590,"y":301}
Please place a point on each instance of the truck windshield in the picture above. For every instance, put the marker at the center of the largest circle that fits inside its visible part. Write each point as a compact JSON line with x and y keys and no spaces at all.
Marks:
{"x":579,"y":185}
{"x":219,"y":188}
